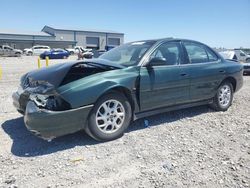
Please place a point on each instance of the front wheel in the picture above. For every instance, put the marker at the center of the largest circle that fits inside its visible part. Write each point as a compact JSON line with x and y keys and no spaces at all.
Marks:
{"x":110,"y":117}
{"x":224,"y":97}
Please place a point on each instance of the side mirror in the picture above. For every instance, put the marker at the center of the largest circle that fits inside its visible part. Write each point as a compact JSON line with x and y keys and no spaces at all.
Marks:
{"x":157,"y":61}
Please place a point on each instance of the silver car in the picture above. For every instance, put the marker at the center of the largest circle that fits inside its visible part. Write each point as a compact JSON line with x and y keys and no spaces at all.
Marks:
{"x":8,"y":51}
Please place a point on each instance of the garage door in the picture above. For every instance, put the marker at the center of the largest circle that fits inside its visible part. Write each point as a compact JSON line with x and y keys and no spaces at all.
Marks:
{"x":113,"y":41}
{"x":92,"y":42}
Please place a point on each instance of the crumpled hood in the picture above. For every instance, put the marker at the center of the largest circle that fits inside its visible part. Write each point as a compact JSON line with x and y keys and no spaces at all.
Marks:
{"x":54,"y":75}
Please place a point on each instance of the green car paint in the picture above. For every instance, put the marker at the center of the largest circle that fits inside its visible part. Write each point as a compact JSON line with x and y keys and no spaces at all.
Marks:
{"x":48,"y":124}
{"x":87,"y":90}
{"x":149,"y":89}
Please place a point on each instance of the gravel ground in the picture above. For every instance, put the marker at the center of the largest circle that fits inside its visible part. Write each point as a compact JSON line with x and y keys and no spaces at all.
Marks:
{"x":195,"y":147}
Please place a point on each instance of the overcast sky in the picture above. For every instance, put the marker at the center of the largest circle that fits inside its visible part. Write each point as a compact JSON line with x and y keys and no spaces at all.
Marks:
{"x":218,"y":23}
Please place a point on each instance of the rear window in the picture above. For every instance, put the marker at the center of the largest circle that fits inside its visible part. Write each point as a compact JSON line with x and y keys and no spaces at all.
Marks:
{"x":198,"y":53}
{"x":211,"y":55}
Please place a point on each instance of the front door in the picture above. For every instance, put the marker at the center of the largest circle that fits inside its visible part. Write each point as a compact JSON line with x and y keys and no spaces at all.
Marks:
{"x":164,"y":83}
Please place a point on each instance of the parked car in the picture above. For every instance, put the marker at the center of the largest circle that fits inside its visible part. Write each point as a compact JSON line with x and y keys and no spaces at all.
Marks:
{"x":55,"y":54}
{"x":236,"y":55}
{"x":77,"y":49}
{"x":6,"y":50}
{"x":242,"y":56}
{"x":97,"y":53}
{"x":36,"y":50}
{"x":85,"y":53}
{"x":229,"y":54}
{"x":102,"y":96}
{"x":246,"y":68}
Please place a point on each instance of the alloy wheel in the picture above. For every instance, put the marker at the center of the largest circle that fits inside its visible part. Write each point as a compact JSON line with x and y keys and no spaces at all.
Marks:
{"x":110,"y":116}
{"x":224,"y":95}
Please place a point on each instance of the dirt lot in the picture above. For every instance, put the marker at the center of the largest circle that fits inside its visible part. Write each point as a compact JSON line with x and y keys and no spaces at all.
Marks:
{"x":195,"y":147}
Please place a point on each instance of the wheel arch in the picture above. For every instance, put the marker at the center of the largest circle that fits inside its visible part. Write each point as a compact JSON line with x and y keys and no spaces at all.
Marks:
{"x":124,"y":90}
{"x":232,"y":80}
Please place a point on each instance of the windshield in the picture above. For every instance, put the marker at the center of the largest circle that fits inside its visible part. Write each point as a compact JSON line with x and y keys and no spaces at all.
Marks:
{"x":128,"y":54}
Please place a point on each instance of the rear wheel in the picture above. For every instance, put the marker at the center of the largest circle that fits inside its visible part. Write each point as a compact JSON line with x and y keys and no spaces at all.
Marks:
{"x":18,"y":54}
{"x":30,"y":53}
{"x":110,"y":117}
{"x":224,"y":97}
{"x":248,"y":60}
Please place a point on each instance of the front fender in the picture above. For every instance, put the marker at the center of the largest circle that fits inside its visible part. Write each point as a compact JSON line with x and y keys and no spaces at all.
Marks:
{"x":87,"y":90}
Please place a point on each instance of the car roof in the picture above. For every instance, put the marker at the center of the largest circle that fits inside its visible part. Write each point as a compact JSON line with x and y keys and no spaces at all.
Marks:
{"x":166,"y":40}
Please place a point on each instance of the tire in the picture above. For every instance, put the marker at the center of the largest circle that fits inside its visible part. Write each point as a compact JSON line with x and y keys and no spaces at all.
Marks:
{"x":30,"y":53}
{"x":71,"y":53}
{"x":248,"y":60}
{"x":109,"y":124}
{"x":221,"y":102}
{"x":18,"y":54}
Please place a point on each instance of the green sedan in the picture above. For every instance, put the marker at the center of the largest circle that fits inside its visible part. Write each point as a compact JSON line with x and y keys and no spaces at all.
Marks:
{"x":103,"y":96}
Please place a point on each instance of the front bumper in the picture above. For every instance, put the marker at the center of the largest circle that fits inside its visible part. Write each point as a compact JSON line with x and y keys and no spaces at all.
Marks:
{"x":50,"y":124}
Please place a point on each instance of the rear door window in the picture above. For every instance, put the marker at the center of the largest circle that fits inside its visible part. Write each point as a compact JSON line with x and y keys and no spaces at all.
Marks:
{"x":211,"y":55}
{"x":196,"y":53}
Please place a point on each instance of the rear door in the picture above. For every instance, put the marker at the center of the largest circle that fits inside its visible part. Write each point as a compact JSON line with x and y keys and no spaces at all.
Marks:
{"x":205,"y":69}
{"x":166,"y":84}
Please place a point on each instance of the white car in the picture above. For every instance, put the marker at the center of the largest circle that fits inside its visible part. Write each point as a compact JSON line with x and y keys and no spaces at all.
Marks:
{"x":238,"y":55}
{"x":6,"y":50}
{"x":242,"y":56}
{"x":229,"y":54}
{"x":78,"y":49}
{"x":36,"y":50}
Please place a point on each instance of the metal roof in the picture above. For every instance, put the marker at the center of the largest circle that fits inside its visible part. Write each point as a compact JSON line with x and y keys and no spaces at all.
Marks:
{"x":83,"y":30}
{"x":29,"y":33}
{"x":39,"y":40}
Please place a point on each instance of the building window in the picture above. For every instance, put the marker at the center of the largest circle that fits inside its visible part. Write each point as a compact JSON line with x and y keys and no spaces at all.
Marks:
{"x":113,"y":41}
{"x":92,"y":42}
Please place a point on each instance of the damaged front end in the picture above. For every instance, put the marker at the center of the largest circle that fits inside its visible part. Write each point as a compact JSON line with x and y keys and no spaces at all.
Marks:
{"x":46,"y":113}
{"x":50,"y":102}
{"x":42,"y":93}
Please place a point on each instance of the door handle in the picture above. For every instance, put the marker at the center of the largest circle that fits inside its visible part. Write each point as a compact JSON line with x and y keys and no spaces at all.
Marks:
{"x":183,"y":74}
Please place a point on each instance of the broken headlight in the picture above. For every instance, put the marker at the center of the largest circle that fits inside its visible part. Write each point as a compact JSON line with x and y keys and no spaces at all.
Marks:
{"x":54,"y":103}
